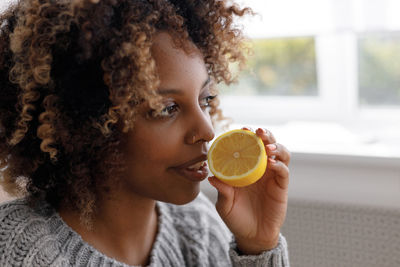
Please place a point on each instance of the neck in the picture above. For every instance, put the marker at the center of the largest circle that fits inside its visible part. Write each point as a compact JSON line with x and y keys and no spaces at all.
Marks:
{"x":124,"y":228}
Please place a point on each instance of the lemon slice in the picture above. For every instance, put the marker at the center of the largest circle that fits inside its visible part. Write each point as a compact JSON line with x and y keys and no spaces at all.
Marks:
{"x":238,"y":158}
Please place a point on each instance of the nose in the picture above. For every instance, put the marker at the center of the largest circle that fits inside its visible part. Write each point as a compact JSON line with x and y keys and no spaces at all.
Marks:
{"x":201,"y":129}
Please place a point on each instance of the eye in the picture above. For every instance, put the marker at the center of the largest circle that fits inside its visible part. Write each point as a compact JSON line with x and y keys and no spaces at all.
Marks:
{"x":167,"y":112}
{"x":206,"y":102}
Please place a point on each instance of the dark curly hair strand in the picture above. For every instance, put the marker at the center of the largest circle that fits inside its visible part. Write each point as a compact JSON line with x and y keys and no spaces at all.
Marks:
{"x":71,"y":76}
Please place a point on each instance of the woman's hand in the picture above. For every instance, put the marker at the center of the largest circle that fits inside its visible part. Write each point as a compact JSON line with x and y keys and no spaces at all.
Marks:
{"x":255,"y":213}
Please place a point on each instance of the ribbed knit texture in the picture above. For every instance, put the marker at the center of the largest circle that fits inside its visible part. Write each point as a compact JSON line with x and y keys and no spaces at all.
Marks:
{"x":188,"y":235}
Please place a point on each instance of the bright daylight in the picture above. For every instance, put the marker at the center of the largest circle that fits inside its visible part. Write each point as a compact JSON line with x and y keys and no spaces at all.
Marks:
{"x":325,"y":78}
{"x":312,"y":181}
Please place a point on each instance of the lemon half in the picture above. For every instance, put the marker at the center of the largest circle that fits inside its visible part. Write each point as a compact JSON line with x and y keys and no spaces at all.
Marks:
{"x":238,"y":158}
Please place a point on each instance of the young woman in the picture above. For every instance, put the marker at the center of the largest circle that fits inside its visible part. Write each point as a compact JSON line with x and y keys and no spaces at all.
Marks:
{"x":106,"y":109}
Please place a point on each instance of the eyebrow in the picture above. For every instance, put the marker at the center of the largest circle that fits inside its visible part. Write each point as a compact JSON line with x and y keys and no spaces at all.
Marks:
{"x":180,"y":92}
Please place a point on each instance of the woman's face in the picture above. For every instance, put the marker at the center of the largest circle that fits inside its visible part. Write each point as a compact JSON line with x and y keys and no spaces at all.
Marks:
{"x":167,"y":150}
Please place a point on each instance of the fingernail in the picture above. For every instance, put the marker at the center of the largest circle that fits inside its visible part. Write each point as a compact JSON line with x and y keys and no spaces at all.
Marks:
{"x":271,"y":147}
{"x":271,"y":160}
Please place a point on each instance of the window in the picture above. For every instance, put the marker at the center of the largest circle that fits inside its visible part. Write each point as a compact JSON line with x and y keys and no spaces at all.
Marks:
{"x":379,"y":68}
{"x":281,"y":66}
{"x":5,"y":4}
{"x":332,"y":65}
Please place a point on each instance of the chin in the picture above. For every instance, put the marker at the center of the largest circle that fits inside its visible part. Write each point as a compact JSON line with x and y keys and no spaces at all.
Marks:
{"x":184,"y":197}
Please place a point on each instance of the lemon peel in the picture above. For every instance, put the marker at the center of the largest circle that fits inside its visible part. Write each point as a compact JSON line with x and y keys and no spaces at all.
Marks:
{"x":238,"y":158}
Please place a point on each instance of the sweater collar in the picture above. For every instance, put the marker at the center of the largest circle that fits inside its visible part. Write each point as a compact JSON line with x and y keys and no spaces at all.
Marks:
{"x":84,"y":253}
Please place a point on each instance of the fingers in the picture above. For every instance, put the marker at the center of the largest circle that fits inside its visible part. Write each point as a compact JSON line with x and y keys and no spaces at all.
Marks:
{"x":225,"y":196}
{"x":279,"y":152}
{"x":247,"y":128}
{"x":274,"y":150}
{"x":282,"y":172}
{"x":266,"y":136}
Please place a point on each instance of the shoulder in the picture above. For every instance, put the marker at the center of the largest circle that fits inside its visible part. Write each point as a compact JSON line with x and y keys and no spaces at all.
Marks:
{"x":14,"y":214}
{"x":18,"y":213}
{"x":26,"y":235}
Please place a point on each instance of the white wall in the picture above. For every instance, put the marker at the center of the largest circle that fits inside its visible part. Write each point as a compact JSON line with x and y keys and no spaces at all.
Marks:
{"x":350,"y":179}
{"x":370,"y":181}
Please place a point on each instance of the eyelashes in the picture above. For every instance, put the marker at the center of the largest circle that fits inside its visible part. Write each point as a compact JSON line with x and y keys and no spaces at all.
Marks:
{"x":172,"y":109}
{"x":169,"y":110}
{"x":208,"y":100}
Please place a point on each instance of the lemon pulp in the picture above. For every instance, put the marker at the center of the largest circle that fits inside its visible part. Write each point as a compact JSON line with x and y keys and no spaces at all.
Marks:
{"x":238,"y":158}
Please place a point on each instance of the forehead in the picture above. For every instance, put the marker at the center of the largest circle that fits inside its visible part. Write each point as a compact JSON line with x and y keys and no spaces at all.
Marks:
{"x":174,"y":63}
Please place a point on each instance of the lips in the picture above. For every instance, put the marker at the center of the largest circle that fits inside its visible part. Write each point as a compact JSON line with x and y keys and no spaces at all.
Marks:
{"x":195,"y":170}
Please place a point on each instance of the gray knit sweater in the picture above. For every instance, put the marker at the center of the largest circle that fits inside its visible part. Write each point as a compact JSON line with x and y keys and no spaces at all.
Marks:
{"x":188,"y":235}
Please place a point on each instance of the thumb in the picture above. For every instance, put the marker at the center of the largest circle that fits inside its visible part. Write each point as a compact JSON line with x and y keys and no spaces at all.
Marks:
{"x":225,"y":196}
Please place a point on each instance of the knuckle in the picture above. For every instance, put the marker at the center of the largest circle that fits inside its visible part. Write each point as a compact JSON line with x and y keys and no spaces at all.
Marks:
{"x":284,"y":170}
{"x":285,"y":151}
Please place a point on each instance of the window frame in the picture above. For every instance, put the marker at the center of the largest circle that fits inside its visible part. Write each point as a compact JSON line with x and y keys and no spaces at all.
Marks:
{"x":336,"y":51}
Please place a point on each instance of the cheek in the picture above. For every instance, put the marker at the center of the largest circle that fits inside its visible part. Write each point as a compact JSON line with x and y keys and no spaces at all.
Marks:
{"x":160,"y":150}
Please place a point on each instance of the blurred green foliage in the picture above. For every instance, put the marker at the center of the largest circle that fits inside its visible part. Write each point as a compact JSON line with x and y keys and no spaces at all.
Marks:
{"x":379,"y":69}
{"x":285,"y":67}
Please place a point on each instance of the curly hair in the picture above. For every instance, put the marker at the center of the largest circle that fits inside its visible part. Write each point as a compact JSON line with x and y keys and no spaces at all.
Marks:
{"x":71,"y":76}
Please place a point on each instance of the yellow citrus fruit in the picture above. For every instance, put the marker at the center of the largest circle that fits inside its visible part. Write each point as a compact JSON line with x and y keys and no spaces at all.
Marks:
{"x":238,"y":158}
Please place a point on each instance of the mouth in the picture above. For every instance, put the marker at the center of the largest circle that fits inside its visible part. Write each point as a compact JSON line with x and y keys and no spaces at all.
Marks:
{"x":195,"y":170}
{"x":197,"y":165}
